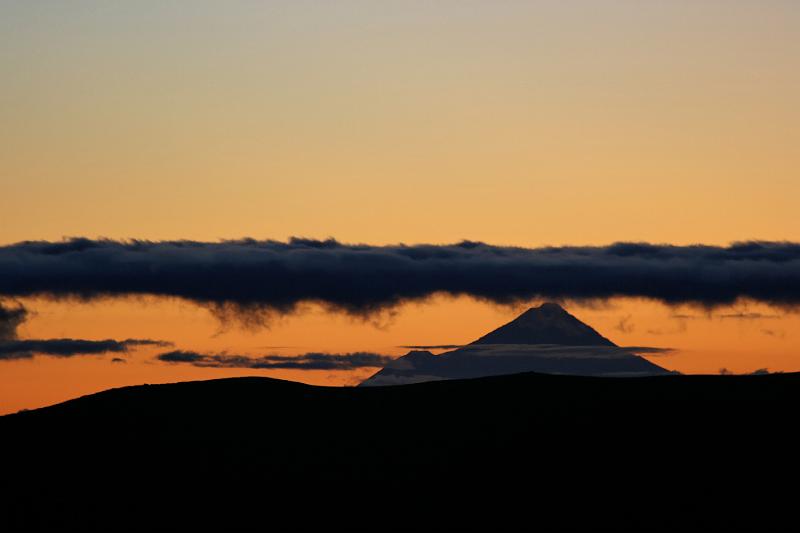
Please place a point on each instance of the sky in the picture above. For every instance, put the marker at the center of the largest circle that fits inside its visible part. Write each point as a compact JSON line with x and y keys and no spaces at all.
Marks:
{"x":528,"y":124}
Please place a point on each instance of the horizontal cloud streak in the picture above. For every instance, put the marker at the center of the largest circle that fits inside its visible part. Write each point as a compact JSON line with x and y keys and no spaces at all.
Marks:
{"x":749,"y":316}
{"x":25,"y":349}
{"x":276,"y":276}
{"x":560,"y":351}
{"x":307,"y":361}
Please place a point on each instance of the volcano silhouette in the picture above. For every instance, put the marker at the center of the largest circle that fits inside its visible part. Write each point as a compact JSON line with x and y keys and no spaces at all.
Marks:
{"x":544,"y":339}
{"x":547,"y":324}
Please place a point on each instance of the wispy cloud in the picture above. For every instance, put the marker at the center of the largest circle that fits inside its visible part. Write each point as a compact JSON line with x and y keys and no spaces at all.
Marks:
{"x":25,"y":349}
{"x":625,"y":324}
{"x":739,"y":315}
{"x":774,"y":333}
{"x":10,"y":319}
{"x":563,"y":351}
{"x":306,"y":361}
{"x":748,"y":316}
{"x":11,"y":347}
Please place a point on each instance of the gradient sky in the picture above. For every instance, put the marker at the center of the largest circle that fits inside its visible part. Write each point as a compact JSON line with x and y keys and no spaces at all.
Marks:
{"x":521,"y":123}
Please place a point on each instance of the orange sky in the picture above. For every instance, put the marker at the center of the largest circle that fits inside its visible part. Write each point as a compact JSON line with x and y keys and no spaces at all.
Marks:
{"x":522,"y":123}
{"x":703,"y":342}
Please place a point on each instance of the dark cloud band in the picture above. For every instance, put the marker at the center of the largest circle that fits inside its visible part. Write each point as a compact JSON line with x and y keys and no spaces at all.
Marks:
{"x":276,"y":276}
{"x":307,"y":361}
{"x":25,"y":349}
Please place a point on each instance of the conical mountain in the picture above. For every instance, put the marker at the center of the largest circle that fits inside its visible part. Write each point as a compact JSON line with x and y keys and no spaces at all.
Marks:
{"x":547,"y":324}
{"x":544,"y":339}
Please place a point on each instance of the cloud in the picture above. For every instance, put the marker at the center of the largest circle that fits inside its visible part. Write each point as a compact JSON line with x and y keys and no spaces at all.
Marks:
{"x":26,"y":349}
{"x":739,"y":315}
{"x":272,"y":276}
{"x":307,"y":361}
{"x":625,"y":324}
{"x":748,"y":316}
{"x":12,"y":348}
{"x":773,"y":333}
{"x":10,"y":319}
{"x":684,"y":317}
{"x":562,"y":351}
{"x":680,"y":326}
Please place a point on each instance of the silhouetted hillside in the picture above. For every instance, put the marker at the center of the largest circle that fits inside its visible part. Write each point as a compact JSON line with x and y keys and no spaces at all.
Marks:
{"x":527,"y":450}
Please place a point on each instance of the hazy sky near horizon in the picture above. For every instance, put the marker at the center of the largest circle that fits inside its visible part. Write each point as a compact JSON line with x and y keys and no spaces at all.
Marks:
{"x":515,"y":123}
{"x":522,"y":123}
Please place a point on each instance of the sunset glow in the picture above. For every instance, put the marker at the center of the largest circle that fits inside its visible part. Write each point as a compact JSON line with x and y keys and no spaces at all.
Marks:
{"x":523,"y":124}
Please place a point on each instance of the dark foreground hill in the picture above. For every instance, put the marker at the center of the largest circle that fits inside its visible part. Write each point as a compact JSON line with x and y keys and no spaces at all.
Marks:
{"x":524,"y":451}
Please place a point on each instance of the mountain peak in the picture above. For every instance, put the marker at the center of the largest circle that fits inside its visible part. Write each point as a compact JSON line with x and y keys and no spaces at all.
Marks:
{"x":547,"y":324}
{"x":570,"y":347}
{"x":547,"y":307}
